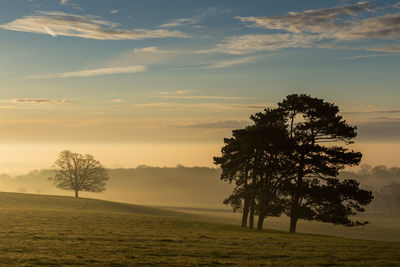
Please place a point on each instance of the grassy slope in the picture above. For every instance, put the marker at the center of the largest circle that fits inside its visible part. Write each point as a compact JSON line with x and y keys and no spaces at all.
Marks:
{"x":48,"y":230}
{"x":382,"y":227}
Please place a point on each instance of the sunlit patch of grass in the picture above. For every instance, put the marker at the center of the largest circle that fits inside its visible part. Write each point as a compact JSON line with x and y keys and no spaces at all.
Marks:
{"x":46,"y":230}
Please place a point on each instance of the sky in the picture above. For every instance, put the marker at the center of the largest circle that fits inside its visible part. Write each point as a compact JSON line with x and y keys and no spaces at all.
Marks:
{"x":162,"y":82}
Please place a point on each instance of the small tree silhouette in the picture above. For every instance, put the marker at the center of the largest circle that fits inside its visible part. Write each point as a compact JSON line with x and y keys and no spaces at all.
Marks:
{"x":79,"y":172}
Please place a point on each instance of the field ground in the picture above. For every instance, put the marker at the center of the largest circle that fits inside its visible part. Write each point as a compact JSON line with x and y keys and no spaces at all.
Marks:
{"x":382,"y":227}
{"x":48,"y":230}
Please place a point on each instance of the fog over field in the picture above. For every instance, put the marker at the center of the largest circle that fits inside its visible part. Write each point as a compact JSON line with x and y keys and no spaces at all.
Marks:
{"x":181,"y":186}
{"x":195,"y":186}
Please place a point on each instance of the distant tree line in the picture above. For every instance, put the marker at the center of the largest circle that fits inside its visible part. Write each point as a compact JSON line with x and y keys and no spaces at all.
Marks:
{"x":287,"y":162}
{"x":376,"y":176}
{"x":384,"y":182}
{"x":386,"y":199}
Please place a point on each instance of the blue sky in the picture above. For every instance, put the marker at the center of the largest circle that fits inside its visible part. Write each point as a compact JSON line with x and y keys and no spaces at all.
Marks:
{"x":186,"y":72}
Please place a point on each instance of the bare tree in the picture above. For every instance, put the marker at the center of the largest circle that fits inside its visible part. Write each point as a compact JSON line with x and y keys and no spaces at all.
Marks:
{"x":77,"y":172}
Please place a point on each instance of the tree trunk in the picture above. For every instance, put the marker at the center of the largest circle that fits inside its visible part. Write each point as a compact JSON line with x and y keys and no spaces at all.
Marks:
{"x":245,"y":212}
{"x":251,"y":222}
{"x":246,"y":204}
{"x":293,"y":213}
{"x":293,"y":223}
{"x":295,"y":200}
{"x":76,"y":193}
{"x":260,"y":222}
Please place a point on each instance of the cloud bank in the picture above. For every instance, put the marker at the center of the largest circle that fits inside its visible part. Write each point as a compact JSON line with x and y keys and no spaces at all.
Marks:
{"x":322,"y":21}
{"x":386,"y":129}
{"x":322,"y":28}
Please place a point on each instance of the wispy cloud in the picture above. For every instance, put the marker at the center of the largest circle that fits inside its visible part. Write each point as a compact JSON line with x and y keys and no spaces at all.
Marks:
{"x":188,"y":94}
{"x":229,"y":124}
{"x":157,"y":50}
{"x":178,"y":92}
{"x":90,"y":73}
{"x":116,"y":100}
{"x":232,"y":62}
{"x":368,"y":56}
{"x":181,"y":22}
{"x":114,"y":11}
{"x":91,"y":27}
{"x":385,"y":48}
{"x":68,"y":3}
{"x":245,"y":44}
{"x":40,"y":101}
{"x":211,"y":97}
{"x":185,"y":92}
{"x":387,"y":111}
{"x":148,"y":55}
{"x":153,"y":54}
{"x":222,"y":63}
{"x":50,"y":32}
{"x":212,"y":106}
{"x":209,"y":12}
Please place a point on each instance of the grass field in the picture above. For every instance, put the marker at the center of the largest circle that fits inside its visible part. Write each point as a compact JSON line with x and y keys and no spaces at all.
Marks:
{"x":49,"y":230}
{"x":382,"y":227}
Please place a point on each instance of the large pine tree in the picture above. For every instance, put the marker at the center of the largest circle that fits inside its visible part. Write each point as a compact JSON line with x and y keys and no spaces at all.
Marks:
{"x":319,"y":137}
{"x":289,"y":161}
